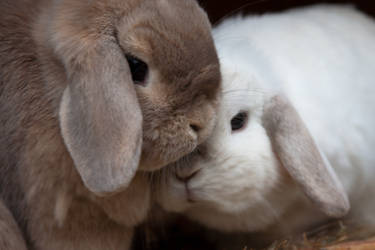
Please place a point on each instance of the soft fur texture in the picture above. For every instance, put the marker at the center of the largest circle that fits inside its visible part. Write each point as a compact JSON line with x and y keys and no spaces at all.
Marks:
{"x":322,"y":59}
{"x":10,"y":234}
{"x":74,"y":126}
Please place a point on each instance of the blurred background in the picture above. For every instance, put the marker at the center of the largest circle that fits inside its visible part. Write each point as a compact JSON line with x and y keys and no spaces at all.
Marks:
{"x":217,"y":9}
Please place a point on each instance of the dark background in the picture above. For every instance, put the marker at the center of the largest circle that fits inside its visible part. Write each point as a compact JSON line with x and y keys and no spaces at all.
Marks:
{"x":218,"y":9}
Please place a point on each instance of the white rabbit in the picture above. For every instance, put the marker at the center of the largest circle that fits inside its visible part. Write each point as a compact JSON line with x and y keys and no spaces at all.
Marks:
{"x":261,"y":166}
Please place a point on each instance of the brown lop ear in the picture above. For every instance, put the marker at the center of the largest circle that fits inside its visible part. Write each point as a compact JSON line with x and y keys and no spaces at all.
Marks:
{"x":298,"y":153}
{"x":100,"y":118}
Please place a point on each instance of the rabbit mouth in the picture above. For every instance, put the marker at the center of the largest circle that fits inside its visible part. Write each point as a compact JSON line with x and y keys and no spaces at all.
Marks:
{"x":184,"y":191}
{"x":157,"y":154}
{"x":190,"y":197}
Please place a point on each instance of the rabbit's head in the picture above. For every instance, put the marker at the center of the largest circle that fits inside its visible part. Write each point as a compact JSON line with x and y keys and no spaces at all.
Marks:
{"x":254,"y":166}
{"x":142,"y":83}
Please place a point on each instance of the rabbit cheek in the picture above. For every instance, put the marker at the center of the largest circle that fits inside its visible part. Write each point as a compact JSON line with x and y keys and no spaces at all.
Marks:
{"x":166,"y":144}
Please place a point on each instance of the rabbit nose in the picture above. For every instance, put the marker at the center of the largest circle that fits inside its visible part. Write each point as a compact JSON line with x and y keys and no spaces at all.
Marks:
{"x":195,"y":127}
{"x":199,"y":131}
{"x":186,"y":174}
{"x":201,"y":126}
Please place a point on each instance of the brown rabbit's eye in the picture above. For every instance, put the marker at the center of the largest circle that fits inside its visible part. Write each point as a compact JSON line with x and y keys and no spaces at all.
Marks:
{"x":238,"y":121}
{"x":138,"y":69}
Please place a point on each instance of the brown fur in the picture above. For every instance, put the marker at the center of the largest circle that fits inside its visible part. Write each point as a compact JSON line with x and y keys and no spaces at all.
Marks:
{"x":47,"y":47}
{"x":10,"y":235}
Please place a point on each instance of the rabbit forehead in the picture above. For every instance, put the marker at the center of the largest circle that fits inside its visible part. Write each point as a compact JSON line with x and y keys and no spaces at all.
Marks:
{"x":173,"y":34}
{"x":240,"y":83}
{"x":240,"y":93}
{"x":176,"y":44}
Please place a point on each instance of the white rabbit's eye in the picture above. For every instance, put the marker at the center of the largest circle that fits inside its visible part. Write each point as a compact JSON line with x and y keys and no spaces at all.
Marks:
{"x":138,"y":69}
{"x":238,"y":121}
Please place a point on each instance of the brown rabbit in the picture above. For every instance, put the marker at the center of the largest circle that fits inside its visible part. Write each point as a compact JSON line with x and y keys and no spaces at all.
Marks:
{"x":91,"y":92}
{"x":10,"y":234}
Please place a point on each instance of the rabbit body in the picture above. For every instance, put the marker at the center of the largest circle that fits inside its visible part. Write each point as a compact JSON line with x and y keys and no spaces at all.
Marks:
{"x":322,"y":58}
{"x":10,"y":234}
{"x":73,"y":127}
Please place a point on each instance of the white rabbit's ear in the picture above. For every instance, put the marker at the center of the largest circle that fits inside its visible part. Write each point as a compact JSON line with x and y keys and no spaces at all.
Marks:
{"x":298,"y":153}
{"x":100,"y":118}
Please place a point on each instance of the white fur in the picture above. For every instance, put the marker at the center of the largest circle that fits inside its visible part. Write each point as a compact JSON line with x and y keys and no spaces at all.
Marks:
{"x":323,"y":59}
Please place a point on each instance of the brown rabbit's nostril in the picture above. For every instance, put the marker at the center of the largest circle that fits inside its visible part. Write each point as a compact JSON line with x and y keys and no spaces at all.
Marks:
{"x":195,"y":128}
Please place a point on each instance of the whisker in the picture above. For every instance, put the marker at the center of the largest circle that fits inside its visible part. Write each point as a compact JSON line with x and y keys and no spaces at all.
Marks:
{"x":257,"y":91}
{"x":255,"y":2}
{"x":229,"y":38}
